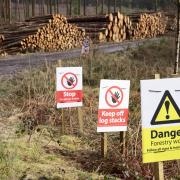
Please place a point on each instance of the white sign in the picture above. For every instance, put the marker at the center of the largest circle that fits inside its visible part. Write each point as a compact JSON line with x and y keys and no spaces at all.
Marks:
{"x":160,"y":113}
{"x":113,"y":105}
{"x":68,"y":87}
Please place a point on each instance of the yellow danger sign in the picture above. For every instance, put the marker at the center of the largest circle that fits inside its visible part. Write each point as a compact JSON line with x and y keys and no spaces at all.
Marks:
{"x":160,"y":114}
{"x":167,"y":111}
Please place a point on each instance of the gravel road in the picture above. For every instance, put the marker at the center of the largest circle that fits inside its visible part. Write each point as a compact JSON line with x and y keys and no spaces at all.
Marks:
{"x":12,"y":64}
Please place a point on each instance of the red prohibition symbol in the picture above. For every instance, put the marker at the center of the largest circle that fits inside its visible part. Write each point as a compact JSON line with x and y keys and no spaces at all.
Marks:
{"x":69,"y":80}
{"x":116,"y":97}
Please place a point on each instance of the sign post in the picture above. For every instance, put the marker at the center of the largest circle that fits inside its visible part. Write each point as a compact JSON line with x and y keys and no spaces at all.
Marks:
{"x":160,"y":113}
{"x":158,"y":166}
{"x":104,"y":145}
{"x":69,"y":90}
{"x":62,"y":110}
{"x":113,"y":109}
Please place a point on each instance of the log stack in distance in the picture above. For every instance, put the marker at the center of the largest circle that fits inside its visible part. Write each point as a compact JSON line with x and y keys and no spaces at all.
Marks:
{"x":58,"y":34}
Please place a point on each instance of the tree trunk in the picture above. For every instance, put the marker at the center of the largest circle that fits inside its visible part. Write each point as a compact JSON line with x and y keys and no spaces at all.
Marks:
{"x":109,"y":7}
{"x":96,"y":7}
{"x":70,"y":7}
{"x":156,"y":5}
{"x":114,"y":5}
{"x":43,"y":7}
{"x":9,"y":11}
{"x":102,"y":7}
{"x":176,"y":66}
{"x":50,"y":6}
{"x":57,"y":4}
{"x":120,"y":5}
{"x":33,"y":7}
{"x":79,"y":7}
{"x":84,"y":7}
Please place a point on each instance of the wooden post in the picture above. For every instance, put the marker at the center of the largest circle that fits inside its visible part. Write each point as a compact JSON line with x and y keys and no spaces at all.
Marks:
{"x":158,"y":166}
{"x":80,"y":118}
{"x":178,"y":161}
{"x":158,"y":171}
{"x":62,"y":111}
{"x":176,"y":65}
{"x":63,"y":123}
{"x":122,"y":142}
{"x":104,"y":145}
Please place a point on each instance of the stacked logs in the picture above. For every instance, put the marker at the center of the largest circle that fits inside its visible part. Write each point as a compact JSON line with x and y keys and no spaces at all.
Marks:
{"x":96,"y":27}
{"x":171,"y":22}
{"x":110,"y":27}
{"x":1,"y":38}
{"x":147,"y":25}
{"x":58,"y":34}
{"x":118,"y":27}
{"x":135,"y":26}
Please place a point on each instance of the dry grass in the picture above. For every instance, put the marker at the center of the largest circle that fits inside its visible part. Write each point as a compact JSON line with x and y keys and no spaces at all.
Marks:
{"x":38,"y":138}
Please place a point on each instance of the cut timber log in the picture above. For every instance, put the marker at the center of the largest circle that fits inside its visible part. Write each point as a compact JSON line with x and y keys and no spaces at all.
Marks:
{"x":102,"y":18}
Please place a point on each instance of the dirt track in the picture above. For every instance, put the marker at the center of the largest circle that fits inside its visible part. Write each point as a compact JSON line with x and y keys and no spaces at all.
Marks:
{"x":12,"y":64}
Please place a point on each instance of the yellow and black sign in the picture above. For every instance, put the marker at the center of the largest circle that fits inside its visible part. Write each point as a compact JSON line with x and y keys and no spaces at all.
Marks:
{"x":160,"y":112}
{"x":167,"y":111}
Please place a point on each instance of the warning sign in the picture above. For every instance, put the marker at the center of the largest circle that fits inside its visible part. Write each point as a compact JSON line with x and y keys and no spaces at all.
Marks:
{"x":68,"y":87}
{"x":160,"y":113}
{"x":114,"y":96}
{"x":167,"y":111}
{"x":113,"y":105}
{"x":69,"y":80}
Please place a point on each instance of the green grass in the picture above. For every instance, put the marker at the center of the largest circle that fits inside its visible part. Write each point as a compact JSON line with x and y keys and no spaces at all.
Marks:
{"x":30,"y":125}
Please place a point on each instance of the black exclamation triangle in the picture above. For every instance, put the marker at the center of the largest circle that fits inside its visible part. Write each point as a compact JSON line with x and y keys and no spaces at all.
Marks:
{"x":167,"y":109}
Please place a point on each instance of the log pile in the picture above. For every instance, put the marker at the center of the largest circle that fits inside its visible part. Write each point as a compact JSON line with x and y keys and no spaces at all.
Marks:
{"x":118,"y":27}
{"x":110,"y":27}
{"x":147,"y":25}
{"x":1,"y":38}
{"x":58,"y":34}
{"x":96,"y":27}
{"x":171,"y":23}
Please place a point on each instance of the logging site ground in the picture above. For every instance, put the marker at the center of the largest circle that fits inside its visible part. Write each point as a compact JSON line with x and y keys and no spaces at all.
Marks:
{"x":32,"y":145}
{"x":39,"y":141}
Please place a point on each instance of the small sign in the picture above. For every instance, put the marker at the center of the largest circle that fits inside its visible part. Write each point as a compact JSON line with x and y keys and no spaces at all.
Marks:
{"x":68,"y":87}
{"x":113,"y":105}
{"x":160,"y":113}
{"x":85,"y":46}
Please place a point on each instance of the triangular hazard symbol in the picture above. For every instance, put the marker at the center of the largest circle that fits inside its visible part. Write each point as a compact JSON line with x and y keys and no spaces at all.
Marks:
{"x":167,"y":111}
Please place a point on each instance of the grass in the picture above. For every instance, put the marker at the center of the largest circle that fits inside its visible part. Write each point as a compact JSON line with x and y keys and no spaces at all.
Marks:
{"x":32,"y":142}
